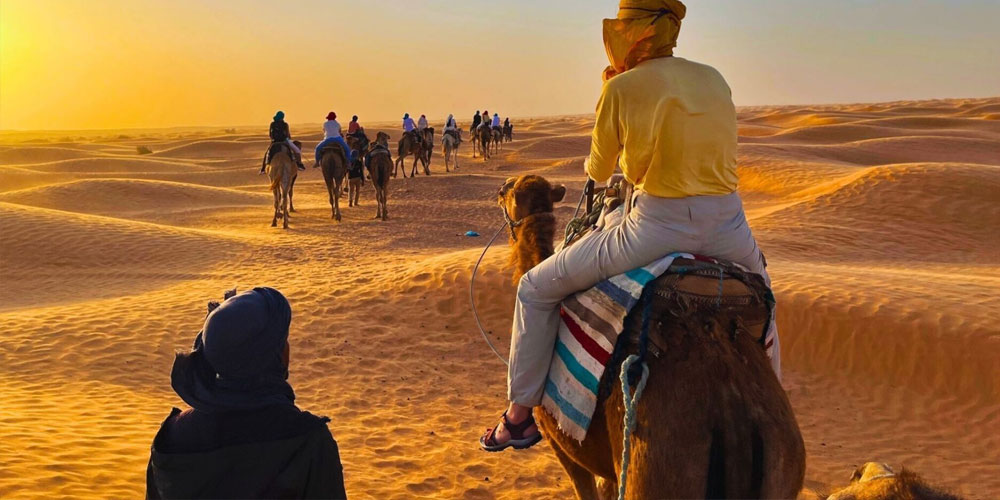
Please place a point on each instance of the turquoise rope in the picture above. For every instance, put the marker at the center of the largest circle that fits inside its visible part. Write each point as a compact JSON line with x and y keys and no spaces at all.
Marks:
{"x":631,"y":402}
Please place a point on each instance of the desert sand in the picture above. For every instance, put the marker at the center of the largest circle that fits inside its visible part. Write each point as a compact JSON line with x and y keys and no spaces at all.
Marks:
{"x":879,"y":222}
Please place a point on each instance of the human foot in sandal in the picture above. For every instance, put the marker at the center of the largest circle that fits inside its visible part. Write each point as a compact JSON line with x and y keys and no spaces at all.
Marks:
{"x":516,"y":429}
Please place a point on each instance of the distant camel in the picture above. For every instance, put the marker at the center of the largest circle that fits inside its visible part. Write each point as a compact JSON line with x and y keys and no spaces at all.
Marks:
{"x":474,"y":135}
{"x":358,"y":141}
{"x":281,"y":170}
{"x":713,"y":421}
{"x":508,"y":133}
{"x":875,"y":481}
{"x":380,"y":166}
{"x":416,"y":145}
{"x":497,"y":139}
{"x":451,"y":141}
{"x":334,"y":164}
{"x":484,"y":134}
{"x":355,"y":179}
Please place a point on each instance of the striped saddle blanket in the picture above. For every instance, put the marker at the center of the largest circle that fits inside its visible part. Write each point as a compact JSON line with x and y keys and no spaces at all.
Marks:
{"x":591,"y":322}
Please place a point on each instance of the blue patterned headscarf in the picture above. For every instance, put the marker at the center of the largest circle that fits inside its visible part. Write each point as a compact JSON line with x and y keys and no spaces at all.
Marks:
{"x":280,"y":115}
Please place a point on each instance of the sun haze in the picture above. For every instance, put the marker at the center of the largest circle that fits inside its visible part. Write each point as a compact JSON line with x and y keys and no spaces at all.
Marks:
{"x":72,"y":64}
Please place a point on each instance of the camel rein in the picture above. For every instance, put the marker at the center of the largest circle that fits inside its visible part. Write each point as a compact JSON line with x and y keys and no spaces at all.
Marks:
{"x":510,"y":224}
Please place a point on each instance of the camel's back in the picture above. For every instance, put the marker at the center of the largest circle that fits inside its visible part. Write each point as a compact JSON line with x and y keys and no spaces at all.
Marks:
{"x":711,"y":389}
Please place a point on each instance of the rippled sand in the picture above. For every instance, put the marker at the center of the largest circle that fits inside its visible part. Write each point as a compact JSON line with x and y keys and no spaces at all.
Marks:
{"x":879,"y":223}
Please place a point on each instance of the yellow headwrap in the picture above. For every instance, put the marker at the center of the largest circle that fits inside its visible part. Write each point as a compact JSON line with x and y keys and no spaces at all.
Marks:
{"x":644,"y":29}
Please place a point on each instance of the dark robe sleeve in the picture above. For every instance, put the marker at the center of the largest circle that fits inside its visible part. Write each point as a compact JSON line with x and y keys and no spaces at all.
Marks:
{"x":326,"y":479}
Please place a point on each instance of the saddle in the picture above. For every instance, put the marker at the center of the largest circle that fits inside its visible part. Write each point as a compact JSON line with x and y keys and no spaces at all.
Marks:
{"x":334,"y":146}
{"x":455,"y":134}
{"x":273,"y":149}
{"x":658,"y":308}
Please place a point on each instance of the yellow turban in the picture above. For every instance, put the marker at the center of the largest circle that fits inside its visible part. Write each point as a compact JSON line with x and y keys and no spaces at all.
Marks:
{"x":644,"y":29}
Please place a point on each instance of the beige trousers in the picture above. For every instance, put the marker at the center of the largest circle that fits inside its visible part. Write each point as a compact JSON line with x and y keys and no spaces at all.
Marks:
{"x":707,"y":225}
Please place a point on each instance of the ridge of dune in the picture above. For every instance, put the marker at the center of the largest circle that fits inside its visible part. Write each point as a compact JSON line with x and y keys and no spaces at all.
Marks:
{"x":872,"y":215}
{"x":50,"y":256}
{"x":40,"y":154}
{"x":113,"y":164}
{"x":214,"y":149}
{"x":871,"y":152}
{"x":113,"y":197}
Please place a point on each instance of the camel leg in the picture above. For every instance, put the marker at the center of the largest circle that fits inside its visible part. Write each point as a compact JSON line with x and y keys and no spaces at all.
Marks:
{"x":291,"y":191}
{"x":456,"y":157}
{"x":286,"y":190}
{"x":329,"y":191}
{"x":277,"y":204}
{"x":413,"y":172}
{"x":336,"y":200}
{"x":583,"y":480}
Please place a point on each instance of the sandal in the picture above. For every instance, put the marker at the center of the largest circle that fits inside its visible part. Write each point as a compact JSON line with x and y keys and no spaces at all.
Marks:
{"x":517,"y":438}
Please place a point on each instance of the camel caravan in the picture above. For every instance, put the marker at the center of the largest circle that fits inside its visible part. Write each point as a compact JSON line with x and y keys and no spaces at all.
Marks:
{"x":348,"y":160}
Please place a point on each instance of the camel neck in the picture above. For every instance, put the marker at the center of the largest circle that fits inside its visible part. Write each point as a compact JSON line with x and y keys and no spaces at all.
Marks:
{"x":533,"y":243}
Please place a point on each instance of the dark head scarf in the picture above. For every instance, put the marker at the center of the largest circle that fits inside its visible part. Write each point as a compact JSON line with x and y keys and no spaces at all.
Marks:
{"x":237,"y":360}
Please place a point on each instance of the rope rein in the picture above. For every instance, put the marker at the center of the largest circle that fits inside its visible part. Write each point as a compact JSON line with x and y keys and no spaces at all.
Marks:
{"x":472,"y":295}
{"x":631,"y":402}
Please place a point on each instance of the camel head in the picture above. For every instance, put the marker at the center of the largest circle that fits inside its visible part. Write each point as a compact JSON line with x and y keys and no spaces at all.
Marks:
{"x":877,"y":481}
{"x":527,"y":202}
{"x":528,"y":195}
{"x":382,"y":138}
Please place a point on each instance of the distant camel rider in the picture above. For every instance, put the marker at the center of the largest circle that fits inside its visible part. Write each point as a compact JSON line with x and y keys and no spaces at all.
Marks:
{"x":506,"y":122}
{"x":411,"y":128}
{"x":476,"y":120}
{"x":279,"y":132}
{"x":486,"y":119}
{"x":669,"y":124}
{"x":451,"y":128}
{"x":354,"y":127}
{"x":331,"y":134}
{"x":422,"y":123}
{"x":496,"y":121}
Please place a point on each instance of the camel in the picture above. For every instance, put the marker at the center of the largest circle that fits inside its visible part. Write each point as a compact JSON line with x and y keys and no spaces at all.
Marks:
{"x":358,"y":141}
{"x":474,"y":134}
{"x":508,"y":133}
{"x":713,"y":422}
{"x":281,"y":170}
{"x":877,"y":481}
{"x":497,"y":140}
{"x":334,"y":166}
{"x":451,"y":142}
{"x":483,"y":136}
{"x":380,"y":166}
{"x":410,"y":145}
{"x":355,"y":180}
{"x":429,"y":144}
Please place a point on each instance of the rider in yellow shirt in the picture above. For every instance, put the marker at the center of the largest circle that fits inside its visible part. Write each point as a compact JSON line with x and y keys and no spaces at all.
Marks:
{"x":670,"y":125}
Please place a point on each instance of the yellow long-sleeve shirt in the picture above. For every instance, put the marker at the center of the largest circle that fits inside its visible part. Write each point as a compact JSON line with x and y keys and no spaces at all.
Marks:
{"x":673,"y":123}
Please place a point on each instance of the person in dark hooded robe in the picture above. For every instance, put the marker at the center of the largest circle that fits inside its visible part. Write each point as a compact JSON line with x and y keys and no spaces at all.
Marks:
{"x":243,"y":436}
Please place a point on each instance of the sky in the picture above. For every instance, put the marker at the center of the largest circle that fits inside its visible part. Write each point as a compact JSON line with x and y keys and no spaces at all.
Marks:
{"x":105,"y":64}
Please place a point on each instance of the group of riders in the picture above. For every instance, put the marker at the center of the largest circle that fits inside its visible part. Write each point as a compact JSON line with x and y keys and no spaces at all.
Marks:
{"x":360,"y":155}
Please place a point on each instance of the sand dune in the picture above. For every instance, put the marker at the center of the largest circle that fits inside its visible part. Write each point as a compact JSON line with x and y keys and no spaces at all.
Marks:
{"x":878,"y":222}
{"x":113,"y":197}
